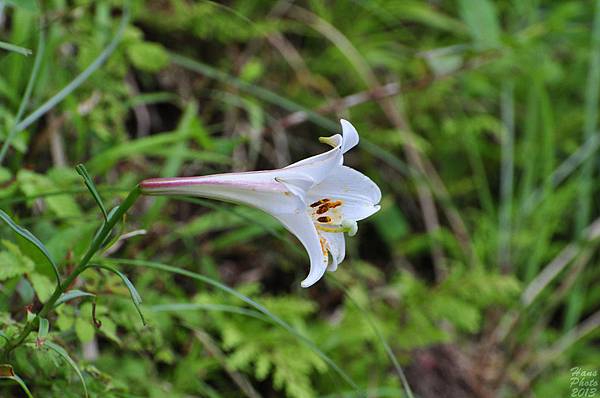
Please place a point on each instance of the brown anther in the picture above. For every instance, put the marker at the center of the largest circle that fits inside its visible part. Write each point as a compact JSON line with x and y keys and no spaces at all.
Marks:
{"x":325,"y":219}
{"x":328,"y":205}
{"x":319,"y":202}
{"x":335,"y":204}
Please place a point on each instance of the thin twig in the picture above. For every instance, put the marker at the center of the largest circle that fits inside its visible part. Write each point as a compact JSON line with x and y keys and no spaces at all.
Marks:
{"x":557,"y":265}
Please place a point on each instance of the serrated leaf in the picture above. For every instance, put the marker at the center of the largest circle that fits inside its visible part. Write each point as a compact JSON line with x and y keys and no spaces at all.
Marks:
{"x":71,"y":295}
{"x":61,"y":351}
{"x":32,"y":239}
{"x":65,"y":318}
{"x":33,"y":185}
{"x":42,"y":285}
{"x":84,"y":330}
{"x":13,"y":262}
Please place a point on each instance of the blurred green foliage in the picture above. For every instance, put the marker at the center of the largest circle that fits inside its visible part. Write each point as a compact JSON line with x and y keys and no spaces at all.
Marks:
{"x":477,"y":120}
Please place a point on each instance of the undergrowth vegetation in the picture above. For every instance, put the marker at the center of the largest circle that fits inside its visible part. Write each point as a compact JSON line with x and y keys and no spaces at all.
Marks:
{"x":478,"y":120}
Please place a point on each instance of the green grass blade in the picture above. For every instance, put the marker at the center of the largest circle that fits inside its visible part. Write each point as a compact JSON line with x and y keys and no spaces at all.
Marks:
{"x":176,"y":307}
{"x":584,"y":207}
{"x":14,"y":48}
{"x":246,"y":299}
{"x":7,"y":372}
{"x":61,"y":351}
{"x":80,"y":79}
{"x":22,"y":384}
{"x":29,"y":5}
{"x":507,"y":176}
{"x":32,"y":239}
{"x":26,"y":96}
{"x":71,"y":295}
{"x":592,"y":92}
{"x":89,"y":183}
{"x":135,"y":296}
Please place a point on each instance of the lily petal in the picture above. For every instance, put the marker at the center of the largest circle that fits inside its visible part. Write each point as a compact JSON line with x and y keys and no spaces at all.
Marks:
{"x":358,"y":192}
{"x":303,"y":228}
{"x":350,"y":136}
{"x":337,"y":248}
{"x":322,"y":162}
{"x":259,"y":189}
{"x":341,"y":144}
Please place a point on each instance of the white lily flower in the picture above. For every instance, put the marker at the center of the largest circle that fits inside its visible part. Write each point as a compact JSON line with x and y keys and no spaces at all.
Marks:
{"x":317,"y":199}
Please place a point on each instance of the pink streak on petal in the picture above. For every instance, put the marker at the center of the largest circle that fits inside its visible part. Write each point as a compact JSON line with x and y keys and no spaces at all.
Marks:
{"x":238,"y":180}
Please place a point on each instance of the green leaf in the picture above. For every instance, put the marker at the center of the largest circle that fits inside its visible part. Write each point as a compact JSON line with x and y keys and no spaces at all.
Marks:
{"x":13,"y":262}
{"x":71,"y":295}
{"x":7,"y":372}
{"x":43,"y":328}
{"x":135,"y":296}
{"x":146,"y":56}
{"x":32,"y":239}
{"x":84,"y":330}
{"x":89,"y":183}
{"x":42,"y":285}
{"x":481,"y":19}
{"x":61,"y":351}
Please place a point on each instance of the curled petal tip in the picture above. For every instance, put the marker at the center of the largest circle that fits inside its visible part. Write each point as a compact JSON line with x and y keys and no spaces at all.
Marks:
{"x":305,"y":284}
{"x":350,"y":135}
{"x":314,"y":276}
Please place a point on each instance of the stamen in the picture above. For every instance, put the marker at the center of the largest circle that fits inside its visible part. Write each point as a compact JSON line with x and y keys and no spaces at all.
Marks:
{"x":319,"y":202}
{"x":325,"y":219}
{"x":348,"y":226}
{"x":323,"y":243}
{"x":328,"y":205}
{"x":335,"y":204}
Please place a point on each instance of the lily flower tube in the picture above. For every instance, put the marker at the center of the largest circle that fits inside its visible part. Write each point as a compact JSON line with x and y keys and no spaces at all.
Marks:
{"x":317,"y":199}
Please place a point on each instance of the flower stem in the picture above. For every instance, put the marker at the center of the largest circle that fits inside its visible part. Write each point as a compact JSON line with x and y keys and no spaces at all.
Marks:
{"x":96,"y":244}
